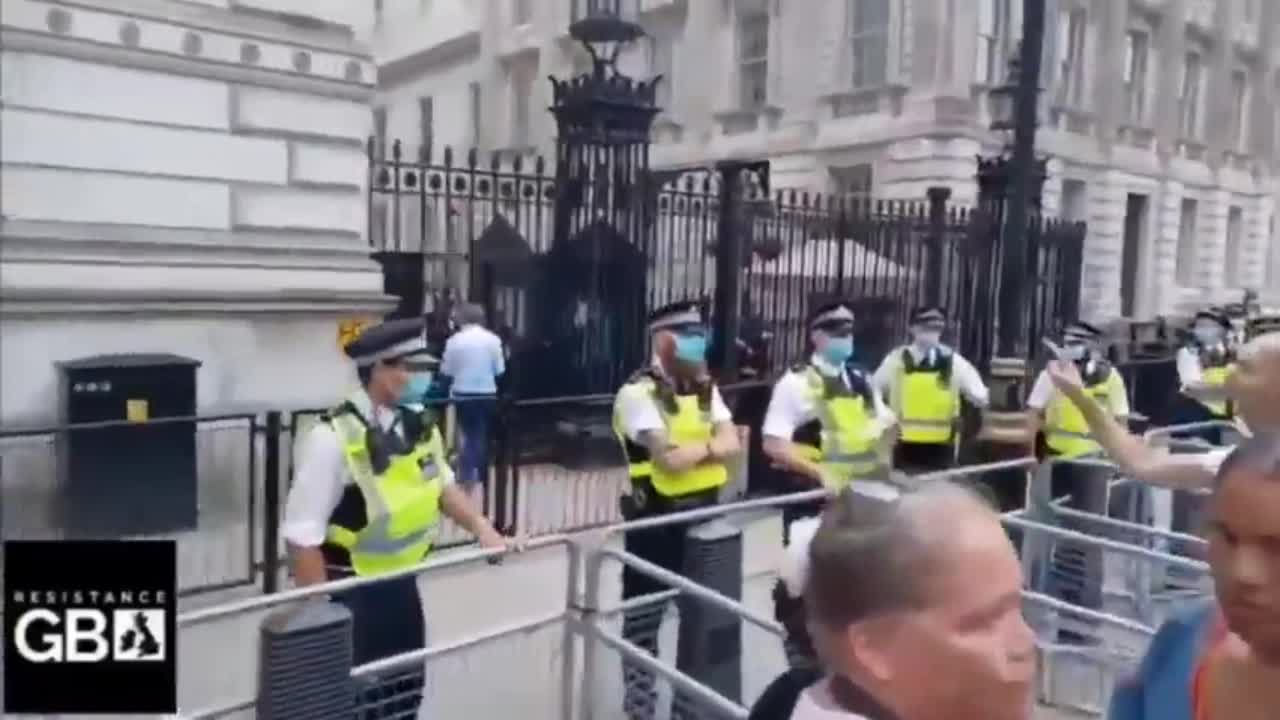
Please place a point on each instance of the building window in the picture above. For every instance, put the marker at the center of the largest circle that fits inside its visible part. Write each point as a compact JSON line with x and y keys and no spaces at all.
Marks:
{"x":852,"y":182}
{"x":521,"y":12}
{"x":994,"y":19}
{"x":1071,"y":44}
{"x":1239,"y":107}
{"x":662,"y":62}
{"x":521,"y":99}
{"x":753,"y":59}
{"x":380,"y":130}
{"x":426,"y":122}
{"x":473,"y":96}
{"x":1189,"y":100}
{"x":1235,"y":236}
{"x":1136,"y":48}
{"x":1074,"y":200}
{"x":1186,"y":258}
{"x":869,"y":42}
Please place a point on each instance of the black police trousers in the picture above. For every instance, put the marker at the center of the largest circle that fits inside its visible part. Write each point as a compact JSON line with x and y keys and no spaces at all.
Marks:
{"x":387,"y":620}
{"x":663,"y":546}
{"x":918,"y":458}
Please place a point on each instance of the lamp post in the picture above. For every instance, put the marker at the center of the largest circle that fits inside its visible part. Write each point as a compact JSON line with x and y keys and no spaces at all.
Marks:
{"x":1010,"y":186}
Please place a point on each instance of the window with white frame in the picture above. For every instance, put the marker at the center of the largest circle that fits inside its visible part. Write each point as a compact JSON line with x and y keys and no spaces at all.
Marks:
{"x":869,"y":43}
{"x":1137,"y":48}
{"x":994,"y":20}
{"x":1233,"y":251}
{"x":662,"y":62}
{"x":521,"y":101}
{"x":1189,"y":95}
{"x":1186,"y":260}
{"x":1239,"y":107}
{"x":521,"y":11}
{"x":426,"y":121}
{"x":1071,"y":46}
{"x":753,"y":58}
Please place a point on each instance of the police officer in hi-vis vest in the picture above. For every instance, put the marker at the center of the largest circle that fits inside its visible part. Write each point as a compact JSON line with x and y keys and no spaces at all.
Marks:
{"x":1203,"y":365}
{"x":924,"y":381}
{"x":1066,"y":436}
{"x":371,"y":484}
{"x":676,"y":433}
{"x":826,"y":426}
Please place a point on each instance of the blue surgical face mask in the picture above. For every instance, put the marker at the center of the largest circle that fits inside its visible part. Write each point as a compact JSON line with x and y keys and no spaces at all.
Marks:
{"x":415,"y":391}
{"x":838,"y":350}
{"x":1208,"y":334}
{"x":926,"y":339}
{"x":691,"y":349}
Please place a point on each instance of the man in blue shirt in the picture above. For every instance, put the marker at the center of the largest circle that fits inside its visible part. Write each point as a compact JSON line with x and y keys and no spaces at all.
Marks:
{"x":473,"y":361}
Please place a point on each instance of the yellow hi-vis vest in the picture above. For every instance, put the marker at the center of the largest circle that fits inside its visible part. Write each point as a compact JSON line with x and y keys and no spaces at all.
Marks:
{"x":848,"y":439}
{"x":1065,"y":430}
{"x":1214,"y":369}
{"x":687,"y":423}
{"x":402,"y":505}
{"x":927,"y":401}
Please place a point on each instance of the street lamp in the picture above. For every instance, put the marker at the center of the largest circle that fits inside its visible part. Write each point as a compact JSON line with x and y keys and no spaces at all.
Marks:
{"x":604,"y":27}
{"x":1010,"y":186}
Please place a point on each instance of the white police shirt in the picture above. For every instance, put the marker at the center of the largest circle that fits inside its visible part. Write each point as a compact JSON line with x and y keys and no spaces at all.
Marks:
{"x":322,"y":476}
{"x":964,"y":376}
{"x":793,"y":404}
{"x":638,"y":412}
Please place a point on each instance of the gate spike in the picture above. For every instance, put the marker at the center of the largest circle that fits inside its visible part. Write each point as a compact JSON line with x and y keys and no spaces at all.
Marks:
{"x":448,"y":156}
{"x":395,"y":150}
{"x":495,"y":160}
{"x":473,"y":158}
{"x":518,"y":164}
{"x":371,"y":149}
{"x":540,"y":165}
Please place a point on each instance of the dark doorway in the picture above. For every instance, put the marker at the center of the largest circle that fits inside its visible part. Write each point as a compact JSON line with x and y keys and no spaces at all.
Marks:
{"x":1135,"y":214}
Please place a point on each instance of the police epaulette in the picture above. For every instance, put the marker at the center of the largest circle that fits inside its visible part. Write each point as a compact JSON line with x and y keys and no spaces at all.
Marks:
{"x":644,"y":373}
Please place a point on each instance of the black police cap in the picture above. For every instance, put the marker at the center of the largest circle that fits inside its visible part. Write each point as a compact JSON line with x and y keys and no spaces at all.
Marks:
{"x":390,"y":340}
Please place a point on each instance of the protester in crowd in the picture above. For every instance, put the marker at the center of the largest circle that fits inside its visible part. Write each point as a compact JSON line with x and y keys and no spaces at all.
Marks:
{"x":1253,"y":388}
{"x":1221,"y":660}
{"x":473,"y":362}
{"x":915,"y":609}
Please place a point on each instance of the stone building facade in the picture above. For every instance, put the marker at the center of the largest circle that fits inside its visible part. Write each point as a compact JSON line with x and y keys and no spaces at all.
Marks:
{"x":184,"y":177}
{"x":1159,"y":116}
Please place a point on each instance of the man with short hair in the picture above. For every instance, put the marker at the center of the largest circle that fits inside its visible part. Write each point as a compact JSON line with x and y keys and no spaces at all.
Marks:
{"x":473,"y":361}
{"x":915,"y":606}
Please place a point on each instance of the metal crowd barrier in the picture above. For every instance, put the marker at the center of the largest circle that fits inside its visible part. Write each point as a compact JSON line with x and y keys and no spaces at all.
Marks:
{"x":574,"y":661}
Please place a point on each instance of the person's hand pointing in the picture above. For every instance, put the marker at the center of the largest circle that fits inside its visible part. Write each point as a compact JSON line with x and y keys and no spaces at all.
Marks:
{"x":1066,"y":377}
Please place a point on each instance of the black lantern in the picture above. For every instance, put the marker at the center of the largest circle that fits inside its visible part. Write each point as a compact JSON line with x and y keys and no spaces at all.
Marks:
{"x":604,"y":27}
{"x":1003,"y":97}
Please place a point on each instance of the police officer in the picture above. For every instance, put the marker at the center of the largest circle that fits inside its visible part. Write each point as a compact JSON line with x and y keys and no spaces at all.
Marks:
{"x":676,"y":433}
{"x":1203,"y":366}
{"x":366,"y":500}
{"x":924,"y":381}
{"x":825,"y":424}
{"x":1078,"y":570}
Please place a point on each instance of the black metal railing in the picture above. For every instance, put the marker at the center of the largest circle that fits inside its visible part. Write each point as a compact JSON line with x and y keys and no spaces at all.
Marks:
{"x":569,"y":306}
